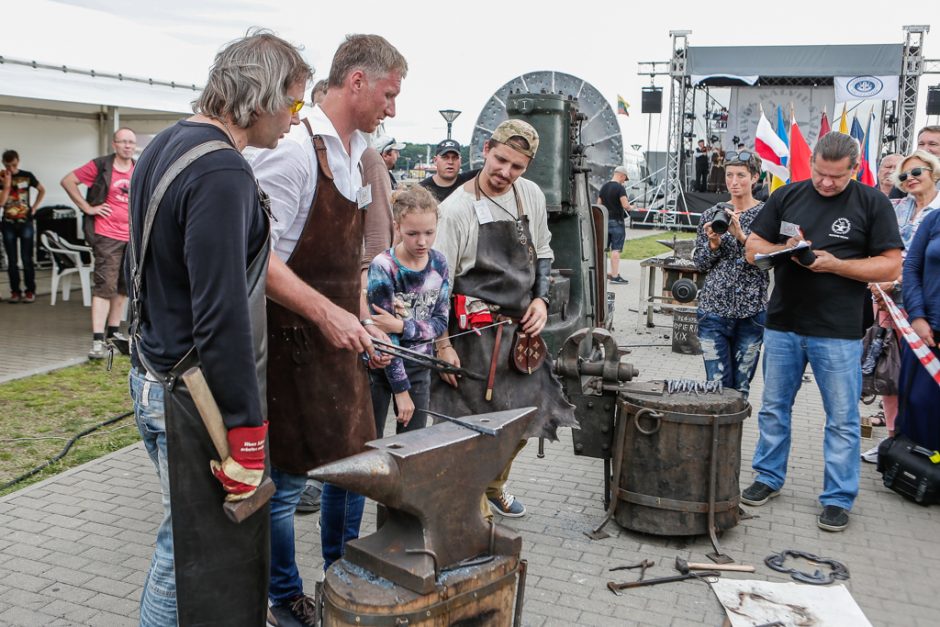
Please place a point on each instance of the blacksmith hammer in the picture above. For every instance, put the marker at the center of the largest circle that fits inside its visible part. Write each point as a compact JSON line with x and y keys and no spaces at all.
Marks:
{"x":685,"y":567}
{"x":237,"y":511}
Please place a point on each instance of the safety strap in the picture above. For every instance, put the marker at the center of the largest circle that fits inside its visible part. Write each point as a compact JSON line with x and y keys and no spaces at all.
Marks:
{"x":924,"y":355}
{"x":137,"y":261}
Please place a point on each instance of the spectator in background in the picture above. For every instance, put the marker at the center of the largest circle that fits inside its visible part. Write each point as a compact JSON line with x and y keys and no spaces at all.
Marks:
{"x":389,"y":149}
{"x":928,"y":140}
{"x":885,"y":173}
{"x":108,"y":180}
{"x":701,"y":166}
{"x":613,"y":196}
{"x":448,"y":176}
{"x":18,"y":225}
{"x":732,"y":307}
{"x":918,"y":414}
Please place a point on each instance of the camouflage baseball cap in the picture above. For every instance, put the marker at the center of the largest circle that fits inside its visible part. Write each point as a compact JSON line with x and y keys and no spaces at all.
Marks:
{"x":513,"y":128}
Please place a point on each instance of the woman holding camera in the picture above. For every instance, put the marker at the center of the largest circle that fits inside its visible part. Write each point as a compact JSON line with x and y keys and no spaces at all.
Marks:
{"x":732,"y":305}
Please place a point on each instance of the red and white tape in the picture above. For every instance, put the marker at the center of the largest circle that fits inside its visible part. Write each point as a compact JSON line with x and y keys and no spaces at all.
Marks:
{"x":927,"y":359}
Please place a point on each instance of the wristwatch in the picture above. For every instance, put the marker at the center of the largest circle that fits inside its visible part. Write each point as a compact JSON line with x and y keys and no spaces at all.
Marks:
{"x":367,"y":322}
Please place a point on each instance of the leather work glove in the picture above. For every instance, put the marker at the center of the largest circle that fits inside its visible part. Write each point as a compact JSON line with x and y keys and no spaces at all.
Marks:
{"x":241,"y":472}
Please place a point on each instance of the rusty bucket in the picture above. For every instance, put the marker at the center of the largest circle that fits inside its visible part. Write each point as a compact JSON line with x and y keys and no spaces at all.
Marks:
{"x":680,"y":463}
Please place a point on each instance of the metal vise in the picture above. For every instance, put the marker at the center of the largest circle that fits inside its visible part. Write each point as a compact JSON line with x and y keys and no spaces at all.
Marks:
{"x":432,"y":482}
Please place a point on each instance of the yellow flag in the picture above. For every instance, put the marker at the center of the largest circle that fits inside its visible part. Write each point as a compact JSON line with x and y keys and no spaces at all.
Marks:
{"x":776,"y":183}
{"x":843,"y":122}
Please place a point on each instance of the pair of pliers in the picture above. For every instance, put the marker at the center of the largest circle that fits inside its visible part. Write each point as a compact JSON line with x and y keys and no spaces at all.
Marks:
{"x":424,"y":361}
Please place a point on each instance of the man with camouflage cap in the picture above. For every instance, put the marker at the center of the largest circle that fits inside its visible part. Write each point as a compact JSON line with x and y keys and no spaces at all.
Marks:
{"x":494,"y":233}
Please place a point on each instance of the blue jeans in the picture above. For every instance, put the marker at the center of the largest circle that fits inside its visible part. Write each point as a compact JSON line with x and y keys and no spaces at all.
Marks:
{"x":340,"y":517}
{"x":286,"y":583}
{"x":158,"y":600}
{"x":838,"y":373}
{"x":382,"y":395}
{"x":731,"y":348}
{"x":22,"y":232}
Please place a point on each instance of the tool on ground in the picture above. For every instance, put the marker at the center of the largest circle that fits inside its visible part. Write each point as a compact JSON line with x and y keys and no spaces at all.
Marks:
{"x":424,"y":361}
{"x":413,"y":474}
{"x":839,"y":570}
{"x":641,"y":565}
{"x":685,"y":567}
{"x":705,"y":575}
{"x":462,"y":423}
{"x":237,"y":511}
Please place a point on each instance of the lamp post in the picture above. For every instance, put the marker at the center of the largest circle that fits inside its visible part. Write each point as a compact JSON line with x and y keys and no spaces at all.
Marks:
{"x":449,"y":115}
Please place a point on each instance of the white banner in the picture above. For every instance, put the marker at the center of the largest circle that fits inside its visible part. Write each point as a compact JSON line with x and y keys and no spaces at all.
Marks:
{"x":866,"y":88}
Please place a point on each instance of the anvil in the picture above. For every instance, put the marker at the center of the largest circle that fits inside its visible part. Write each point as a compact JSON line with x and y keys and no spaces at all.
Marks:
{"x":432,"y":482}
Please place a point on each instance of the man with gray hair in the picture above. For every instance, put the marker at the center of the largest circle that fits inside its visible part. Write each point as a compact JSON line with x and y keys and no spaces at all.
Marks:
{"x":197,"y":299}
{"x":815,"y":315}
{"x":319,"y":400}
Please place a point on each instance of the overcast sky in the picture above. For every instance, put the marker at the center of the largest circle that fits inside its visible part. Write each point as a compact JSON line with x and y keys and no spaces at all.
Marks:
{"x":458,"y":54}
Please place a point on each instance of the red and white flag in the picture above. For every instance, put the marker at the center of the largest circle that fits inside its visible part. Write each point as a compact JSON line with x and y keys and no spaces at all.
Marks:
{"x":771,"y":149}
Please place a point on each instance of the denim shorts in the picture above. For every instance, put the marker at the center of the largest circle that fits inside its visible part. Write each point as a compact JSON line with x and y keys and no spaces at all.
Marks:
{"x":616,"y":235}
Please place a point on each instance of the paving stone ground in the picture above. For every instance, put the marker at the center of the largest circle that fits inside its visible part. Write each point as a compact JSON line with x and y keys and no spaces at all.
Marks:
{"x":74,"y":549}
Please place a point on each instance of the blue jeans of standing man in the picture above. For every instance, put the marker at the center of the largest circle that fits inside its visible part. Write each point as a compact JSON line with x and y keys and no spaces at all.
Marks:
{"x":158,"y":600}
{"x":731,"y":348}
{"x":286,"y":583}
{"x":22,"y":232}
{"x":340,"y":518}
{"x":836,"y":367}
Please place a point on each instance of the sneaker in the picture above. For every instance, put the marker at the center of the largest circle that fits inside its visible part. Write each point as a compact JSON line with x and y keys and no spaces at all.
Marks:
{"x":297,"y":612}
{"x":833,"y":518}
{"x":310,"y":498}
{"x":97,"y":350}
{"x":14,"y":297}
{"x":507,"y":505}
{"x":757,"y":494}
{"x":29,"y":297}
{"x":618,"y":279}
{"x":871,"y":455}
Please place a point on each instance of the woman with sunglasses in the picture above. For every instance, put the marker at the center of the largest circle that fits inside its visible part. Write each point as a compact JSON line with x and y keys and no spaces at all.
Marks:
{"x":917,"y":175}
{"x":733,"y":302}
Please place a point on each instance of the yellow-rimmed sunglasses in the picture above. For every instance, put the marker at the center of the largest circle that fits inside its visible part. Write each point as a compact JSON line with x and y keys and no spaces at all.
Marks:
{"x":296,"y":107}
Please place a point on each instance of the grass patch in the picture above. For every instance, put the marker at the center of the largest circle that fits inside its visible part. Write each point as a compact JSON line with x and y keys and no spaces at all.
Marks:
{"x":646,"y":247}
{"x":59,"y":405}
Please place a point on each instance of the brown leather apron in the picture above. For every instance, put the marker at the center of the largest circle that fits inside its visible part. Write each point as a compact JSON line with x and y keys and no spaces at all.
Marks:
{"x":319,"y":406}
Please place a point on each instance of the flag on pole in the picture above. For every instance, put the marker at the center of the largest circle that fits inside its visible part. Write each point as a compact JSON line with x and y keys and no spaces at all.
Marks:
{"x":857,"y":132}
{"x":799,"y":153}
{"x":843,"y":122}
{"x":866,"y":169}
{"x":824,"y":124}
{"x":771,"y":149}
{"x":782,"y":133}
{"x":623,"y":107}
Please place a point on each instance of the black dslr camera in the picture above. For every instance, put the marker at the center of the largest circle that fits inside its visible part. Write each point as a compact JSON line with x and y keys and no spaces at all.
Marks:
{"x":722,"y":219}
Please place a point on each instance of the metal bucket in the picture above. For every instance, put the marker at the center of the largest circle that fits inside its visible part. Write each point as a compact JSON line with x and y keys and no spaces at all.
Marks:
{"x":680,"y":463}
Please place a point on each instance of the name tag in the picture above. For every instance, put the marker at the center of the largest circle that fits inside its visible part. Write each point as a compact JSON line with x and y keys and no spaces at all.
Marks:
{"x":789,"y":229}
{"x":364,"y":196}
{"x":483,"y":212}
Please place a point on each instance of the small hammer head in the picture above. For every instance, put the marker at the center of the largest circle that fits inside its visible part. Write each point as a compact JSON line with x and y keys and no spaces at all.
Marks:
{"x":237,"y":511}
{"x":682,"y":565}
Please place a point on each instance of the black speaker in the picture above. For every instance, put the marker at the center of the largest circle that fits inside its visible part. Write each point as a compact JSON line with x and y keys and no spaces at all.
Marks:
{"x":933,"y":101}
{"x":652,"y":100}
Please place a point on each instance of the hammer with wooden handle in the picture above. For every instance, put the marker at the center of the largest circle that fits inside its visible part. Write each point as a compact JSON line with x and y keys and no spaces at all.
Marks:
{"x":237,"y":511}
{"x":684,"y":567}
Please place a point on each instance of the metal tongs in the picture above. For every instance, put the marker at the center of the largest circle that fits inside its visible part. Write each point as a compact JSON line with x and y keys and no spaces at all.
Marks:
{"x":424,"y":361}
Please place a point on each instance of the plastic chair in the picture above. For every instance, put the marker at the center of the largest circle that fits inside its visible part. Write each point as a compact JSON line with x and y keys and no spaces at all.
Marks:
{"x":68,"y":260}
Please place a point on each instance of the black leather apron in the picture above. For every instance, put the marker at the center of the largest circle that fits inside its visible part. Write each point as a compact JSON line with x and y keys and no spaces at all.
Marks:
{"x":503,"y":274}
{"x":222,"y":568}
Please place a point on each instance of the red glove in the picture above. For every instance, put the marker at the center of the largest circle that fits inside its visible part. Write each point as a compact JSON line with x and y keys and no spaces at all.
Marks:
{"x":241,"y":472}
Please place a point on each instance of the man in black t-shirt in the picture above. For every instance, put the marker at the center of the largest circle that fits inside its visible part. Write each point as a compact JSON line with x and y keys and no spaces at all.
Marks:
{"x":18,"y":225}
{"x":815,"y":315}
{"x":613,"y":196}
{"x":448,"y":176}
{"x":701,"y":166}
